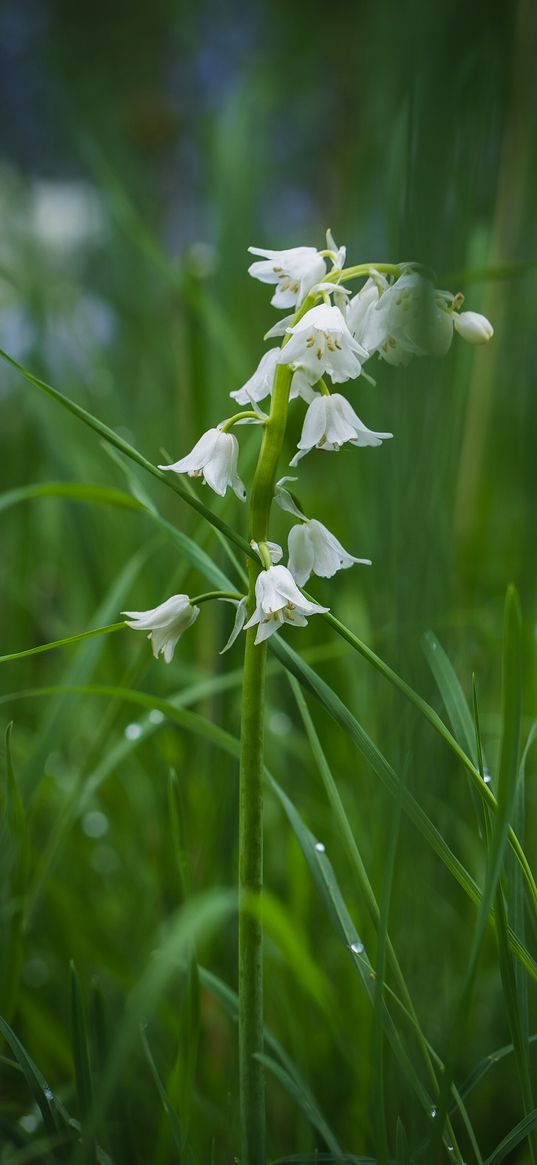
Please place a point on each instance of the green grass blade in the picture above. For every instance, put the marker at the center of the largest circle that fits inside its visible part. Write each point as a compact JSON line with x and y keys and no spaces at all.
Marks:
{"x":343,"y":716}
{"x":304,"y":1102}
{"x":103,"y":430}
{"x":77,"y":491}
{"x":40,"y":1090}
{"x":172,"y":1118}
{"x":194,"y":921}
{"x":437,"y":723}
{"x":81,"y":1056}
{"x":358,"y":867}
{"x":507,"y":778}
{"x":452,"y":694}
{"x":514,"y":1138}
{"x":67,"y":642}
{"x":16,"y":855}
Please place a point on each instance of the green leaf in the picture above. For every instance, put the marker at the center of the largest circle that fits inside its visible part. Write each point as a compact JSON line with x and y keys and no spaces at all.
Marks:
{"x":16,"y":853}
{"x":517,"y":1134}
{"x":230,"y":1001}
{"x":303,"y":1102}
{"x":67,"y":642}
{"x":81,"y":1055}
{"x":173,"y":1120}
{"x":170,"y":480}
{"x":451,"y":692}
{"x":47,"y":1103}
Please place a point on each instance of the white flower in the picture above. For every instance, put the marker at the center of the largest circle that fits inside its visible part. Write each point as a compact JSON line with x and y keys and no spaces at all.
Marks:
{"x":314,"y":550}
{"x":357,"y":308}
{"x":329,"y":423}
{"x":474,"y":328}
{"x":301,"y":386}
{"x":240,"y":619}
{"x":279,"y":601}
{"x":275,"y":551}
{"x":165,"y":623}
{"x":321,"y":342}
{"x":260,"y":383}
{"x":215,"y":458}
{"x":294,"y":271}
{"x":411,"y":318}
{"x":338,"y":254}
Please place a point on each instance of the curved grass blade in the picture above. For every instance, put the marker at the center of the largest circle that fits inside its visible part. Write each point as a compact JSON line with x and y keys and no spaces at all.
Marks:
{"x":302,"y":1101}
{"x":70,"y":639}
{"x":437,"y":723}
{"x":230,"y":1001}
{"x":104,"y":431}
{"x":518,"y":1134}
{"x":53,"y":1117}
{"x":194,"y":921}
{"x":77,"y":491}
{"x":16,"y":856}
{"x":360,"y":873}
{"x":452,"y":694}
{"x":173,"y":1120}
{"x":81,"y":1058}
{"x":507,"y":779}
{"x":485,"y":1065}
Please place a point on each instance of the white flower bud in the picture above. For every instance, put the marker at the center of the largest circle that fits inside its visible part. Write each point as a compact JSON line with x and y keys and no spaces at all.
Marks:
{"x":473,"y":327}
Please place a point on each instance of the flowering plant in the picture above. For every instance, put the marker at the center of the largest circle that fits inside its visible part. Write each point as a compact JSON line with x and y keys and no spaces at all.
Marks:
{"x":397,"y":315}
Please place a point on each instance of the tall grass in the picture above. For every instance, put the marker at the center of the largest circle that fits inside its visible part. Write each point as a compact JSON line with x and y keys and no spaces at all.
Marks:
{"x":400,"y":952}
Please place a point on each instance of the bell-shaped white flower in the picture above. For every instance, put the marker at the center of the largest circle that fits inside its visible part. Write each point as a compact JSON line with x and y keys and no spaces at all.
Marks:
{"x":321,"y":342}
{"x":279,"y":601}
{"x":331,"y":422}
{"x":294,"y":271}
{"x":411,"y":318}
{"x":358,"y":306}
{"x":240,"y":619}
{"x":314,"y":550}
{"x":165,"y":623}
{"x":214,"y":457}
{"x":260,"y":383}
{"x":473,"y":327}
{"x":301,"y":386}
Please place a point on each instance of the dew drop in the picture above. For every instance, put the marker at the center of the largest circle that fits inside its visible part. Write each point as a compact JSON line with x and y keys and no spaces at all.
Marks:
{"x":321,"y":849}
{"x":357,"y":947}
{"x":48,"y":1093}
{"x":29,"y":1122}
{"x":433,"y":1112}
{"x":95,"y":824}
{"x":133,"y":731}
{"x":156,"y":716}
{"x":487,"y":777}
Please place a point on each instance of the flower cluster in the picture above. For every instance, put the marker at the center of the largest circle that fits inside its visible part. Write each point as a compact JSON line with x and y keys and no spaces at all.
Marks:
{"x":398,"y":314}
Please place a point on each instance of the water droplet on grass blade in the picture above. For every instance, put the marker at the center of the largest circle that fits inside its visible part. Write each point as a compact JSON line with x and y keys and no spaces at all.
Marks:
{"x":156,"y":716}
{"x":133,"y":731}
{"x":357,"y":947}
{"x":321,"y":849}
{"x":95,"y":824}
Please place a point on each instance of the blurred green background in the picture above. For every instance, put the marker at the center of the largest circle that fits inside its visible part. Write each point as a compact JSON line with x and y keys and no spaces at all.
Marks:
{"x":145,"y":147}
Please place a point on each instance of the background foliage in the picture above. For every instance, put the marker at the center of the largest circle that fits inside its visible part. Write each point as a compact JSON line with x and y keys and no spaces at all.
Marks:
{"x":145,"y":149}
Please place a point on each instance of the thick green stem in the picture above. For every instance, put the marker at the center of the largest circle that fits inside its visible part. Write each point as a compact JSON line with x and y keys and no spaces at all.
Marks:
{"x":251,"y":1077}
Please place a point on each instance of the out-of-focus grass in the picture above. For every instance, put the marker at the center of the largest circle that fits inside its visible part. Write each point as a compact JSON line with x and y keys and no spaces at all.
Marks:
{"x":407,"y":134}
